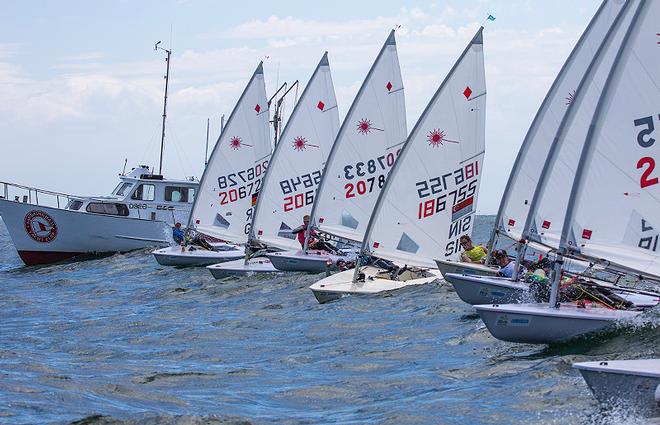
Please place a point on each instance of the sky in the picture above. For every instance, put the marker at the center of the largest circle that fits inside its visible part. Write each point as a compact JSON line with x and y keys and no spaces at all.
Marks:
{"x":81,"y":87}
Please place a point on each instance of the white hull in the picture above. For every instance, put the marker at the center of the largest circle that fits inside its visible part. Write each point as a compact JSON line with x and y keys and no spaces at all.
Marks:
{"x":634,"y":383}
{"x":66,"y":234}
{"x":254,"y":266}
{"x":192,"y":255}
{"x":340,"y":284}
{"x":487,"y":289}
{"x":312,"y":262}
{"x":492,"y":289}
{"x":459,"y":267}
{"x":541,"y":324}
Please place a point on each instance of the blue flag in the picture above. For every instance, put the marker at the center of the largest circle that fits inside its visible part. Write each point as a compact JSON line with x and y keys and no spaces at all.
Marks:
{"x":491,"y":18}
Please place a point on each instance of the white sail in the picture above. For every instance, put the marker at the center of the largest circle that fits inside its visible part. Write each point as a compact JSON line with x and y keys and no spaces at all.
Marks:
{"x":365,"y":150}
{"x":529,"y":164}
{"x":295,"y":169}
{"x":549,"y":208}
{"x":232,"y":179}
{"x":430,"y":197}
{"x":616,"y":210}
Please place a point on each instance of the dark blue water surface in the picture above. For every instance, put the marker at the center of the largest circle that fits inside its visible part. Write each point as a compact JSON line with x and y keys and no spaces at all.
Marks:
{"x":126,"y":338}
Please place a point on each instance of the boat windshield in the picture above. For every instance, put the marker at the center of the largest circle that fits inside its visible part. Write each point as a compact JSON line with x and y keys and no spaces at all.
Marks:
{"x":122,"y":188}
{"x":107,"y":208}
{"x":74,"y":204}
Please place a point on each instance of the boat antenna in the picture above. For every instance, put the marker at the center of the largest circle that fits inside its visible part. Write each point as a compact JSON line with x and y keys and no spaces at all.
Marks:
{"x":167,"y":80}
{"x":276,"y":118}
{"x":123,"y":172}
{"x":206,"y":149}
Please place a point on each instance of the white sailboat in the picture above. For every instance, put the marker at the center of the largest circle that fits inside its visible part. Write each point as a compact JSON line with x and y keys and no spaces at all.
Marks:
{"x":530,"y":167}
{"x":294,"y":172}
{"x":430,"y":198}
{"x":614,"y":199}
{"x":362,"y":155}
{"x":632,"y":383}
{"x":231,"y":181}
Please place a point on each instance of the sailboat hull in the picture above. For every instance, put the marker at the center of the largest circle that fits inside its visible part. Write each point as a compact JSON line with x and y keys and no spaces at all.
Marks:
{"x":185,"y":257}
{"x":341,"y":284}
{"x":312,"y":262}
{"x":459,"y":267}
{"x":45,"y":235}
{"x":541,"y":324}
{"x":486,"y":289}
{"x":259,"y":265}
{"x":633,"y":383}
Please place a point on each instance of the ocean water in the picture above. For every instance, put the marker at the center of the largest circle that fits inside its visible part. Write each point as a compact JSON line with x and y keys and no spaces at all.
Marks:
{"x":124,"y":340}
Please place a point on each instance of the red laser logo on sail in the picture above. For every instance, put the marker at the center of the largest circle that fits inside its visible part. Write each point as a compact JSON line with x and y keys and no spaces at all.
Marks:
{"x":364,"y":126}
{"x":236,"y":142}
{"x":437,"y":137}
{"x":300,"y":144}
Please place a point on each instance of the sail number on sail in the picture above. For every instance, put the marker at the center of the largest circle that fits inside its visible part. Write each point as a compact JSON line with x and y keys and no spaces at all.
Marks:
{"x":644,"y":139}
{"x":250,"y":186}
{"x":461,"y":194}
{"x":299,"y":200}
{"x":361,"y":169}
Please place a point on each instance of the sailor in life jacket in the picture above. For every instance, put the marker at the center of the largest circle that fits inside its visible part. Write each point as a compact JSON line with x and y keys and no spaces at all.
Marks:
{"x":472,"y":254}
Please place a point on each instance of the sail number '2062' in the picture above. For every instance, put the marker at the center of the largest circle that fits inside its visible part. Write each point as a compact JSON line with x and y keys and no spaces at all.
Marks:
{"x":299,"y":200}
{"x":646,"y":140}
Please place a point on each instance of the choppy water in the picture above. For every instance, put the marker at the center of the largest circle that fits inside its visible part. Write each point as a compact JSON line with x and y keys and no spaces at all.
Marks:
{"x":137,"y":342}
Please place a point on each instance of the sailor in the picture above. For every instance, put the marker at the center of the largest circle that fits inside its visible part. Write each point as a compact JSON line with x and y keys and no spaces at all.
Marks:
{"x":506,"y":265}
{"x":313,"y":242}
{"x":472,"y":254}
{"x":177,"y":234}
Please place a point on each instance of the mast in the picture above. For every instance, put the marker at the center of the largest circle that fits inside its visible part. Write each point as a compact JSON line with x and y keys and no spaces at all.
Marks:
{"x":206,"y":149}
{"x":587,"y":150}
{"x":167,"y":80}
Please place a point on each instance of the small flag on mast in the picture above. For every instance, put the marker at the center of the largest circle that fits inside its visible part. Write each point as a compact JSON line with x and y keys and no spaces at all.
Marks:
{"x":491,"y":17}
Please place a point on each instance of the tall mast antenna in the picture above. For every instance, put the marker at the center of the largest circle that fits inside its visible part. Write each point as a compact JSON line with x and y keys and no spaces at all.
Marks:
{"x":167,"y":80}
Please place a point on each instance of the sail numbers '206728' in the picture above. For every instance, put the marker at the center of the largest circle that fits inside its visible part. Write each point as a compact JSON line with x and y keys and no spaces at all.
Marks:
{"x":645,"y":140}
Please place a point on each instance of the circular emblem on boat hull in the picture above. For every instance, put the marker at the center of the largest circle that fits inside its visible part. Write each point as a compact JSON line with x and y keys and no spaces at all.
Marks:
{"x":40,"y":226}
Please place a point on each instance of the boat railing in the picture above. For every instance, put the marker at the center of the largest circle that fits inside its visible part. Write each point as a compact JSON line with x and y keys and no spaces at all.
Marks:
{"x":32,"y":195}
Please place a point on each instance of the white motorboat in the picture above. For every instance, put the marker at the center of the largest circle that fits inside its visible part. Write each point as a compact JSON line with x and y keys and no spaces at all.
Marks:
{"x":362,"y":155}
{"x":139,"y":213}
{"x":375,"y":281}
{"x":194,"y":255}
{"x":231,"y":181}
{"x":608,"y":215}
{"x":430,"y":196}
{"x":241,"y":267}
{"x":293,"y":174}
{"x":633,"y":384}
{"x":543,"y":324}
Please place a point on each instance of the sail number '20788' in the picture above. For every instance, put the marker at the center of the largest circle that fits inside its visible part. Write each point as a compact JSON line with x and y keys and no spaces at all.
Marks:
{"x":646,"y":140}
